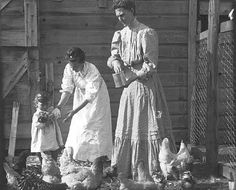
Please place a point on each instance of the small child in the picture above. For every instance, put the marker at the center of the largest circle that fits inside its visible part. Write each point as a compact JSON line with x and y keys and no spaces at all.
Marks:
{"x":45,"y":132}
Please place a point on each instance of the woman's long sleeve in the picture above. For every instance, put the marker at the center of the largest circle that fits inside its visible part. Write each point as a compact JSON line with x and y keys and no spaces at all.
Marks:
{"x":150,"y":49}
{"x":67,"y":81}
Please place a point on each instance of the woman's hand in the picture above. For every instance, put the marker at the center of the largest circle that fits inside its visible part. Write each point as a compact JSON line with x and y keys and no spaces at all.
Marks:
{"x":117,"y":66}
{"x":56,"y":113}
{"x":69,"y":115}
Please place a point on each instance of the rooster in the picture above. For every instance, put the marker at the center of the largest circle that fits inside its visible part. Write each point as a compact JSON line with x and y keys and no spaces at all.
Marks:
{"x":167,"y":160}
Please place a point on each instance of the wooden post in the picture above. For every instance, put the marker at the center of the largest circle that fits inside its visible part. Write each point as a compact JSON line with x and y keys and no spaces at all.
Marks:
{"x":31,"y":42}
{"x":192,"y":29}
{"x":212,"y":87}
{"x":12,"y":138}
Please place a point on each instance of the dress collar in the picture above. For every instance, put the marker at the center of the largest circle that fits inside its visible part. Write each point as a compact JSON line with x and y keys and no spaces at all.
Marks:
{"x":84,"y":70}
{"x":133,"y":24}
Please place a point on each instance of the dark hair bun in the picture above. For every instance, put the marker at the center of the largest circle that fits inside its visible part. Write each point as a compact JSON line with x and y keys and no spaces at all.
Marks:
{"x":75,"y":53}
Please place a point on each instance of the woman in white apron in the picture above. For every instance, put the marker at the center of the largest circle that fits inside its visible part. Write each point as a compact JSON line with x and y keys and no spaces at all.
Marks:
{"x":90,"y":133}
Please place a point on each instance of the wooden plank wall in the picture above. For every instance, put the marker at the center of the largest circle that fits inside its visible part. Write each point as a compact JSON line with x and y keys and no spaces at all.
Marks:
{"x":66,"y":23}
{"x":12,"y":53}
{"x":82,"y":23}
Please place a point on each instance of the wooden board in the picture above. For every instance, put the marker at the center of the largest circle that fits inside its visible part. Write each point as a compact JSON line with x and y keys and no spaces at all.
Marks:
{"x":93,"y":21}
{"x":93,"y":37}
{"x":58,"y":51}
{"x":165,"y":65}
{"x":90,"y":6}
{"x":14,"y":123}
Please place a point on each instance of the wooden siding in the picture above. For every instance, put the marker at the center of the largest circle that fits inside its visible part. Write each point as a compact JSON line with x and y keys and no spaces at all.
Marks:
{"x":82,"y":23}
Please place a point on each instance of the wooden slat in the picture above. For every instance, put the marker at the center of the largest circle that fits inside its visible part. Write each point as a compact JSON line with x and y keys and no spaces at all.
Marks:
{"x":58,"y":51}
{"x":93,"y":21}
{"x":202,"y":35}
{"x":33,"y":74}
{"x":212,"y":94}
{"x":90,"y":6}
{"x":165,"y":65}
{"x":227,"y":26}
{"x":74,"y":37}
{"x":12,"y":38}
{"x":14,"y":123}
{"x":12,"y":23}
{"x":4,"y":3}
{"x":192,"y":31}
{"x":31,"y":22}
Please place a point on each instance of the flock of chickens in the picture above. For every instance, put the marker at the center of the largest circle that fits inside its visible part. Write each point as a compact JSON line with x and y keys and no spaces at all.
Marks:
{"x":73,"y":175}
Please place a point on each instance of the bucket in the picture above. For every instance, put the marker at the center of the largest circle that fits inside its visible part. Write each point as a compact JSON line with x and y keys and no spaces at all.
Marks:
{"x":119,"y":79}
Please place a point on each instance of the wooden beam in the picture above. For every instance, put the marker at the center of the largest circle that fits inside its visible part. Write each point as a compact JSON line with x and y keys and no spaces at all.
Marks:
{"x":14,"y":123}
{"x":192,"y":30}
{"x":4,"y":3}
{"x":31,"y":22}
{"x":212,"y":87}
{"x":11,"y":82}
{"x":33,"y":74}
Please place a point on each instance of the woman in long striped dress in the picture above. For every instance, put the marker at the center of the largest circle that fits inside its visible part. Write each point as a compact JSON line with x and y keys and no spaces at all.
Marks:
{"x":143,"y":118}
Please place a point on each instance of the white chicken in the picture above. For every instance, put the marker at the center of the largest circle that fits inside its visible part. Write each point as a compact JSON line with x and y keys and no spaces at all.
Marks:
{"x":167,"y":160}
{"x":183,"y":157}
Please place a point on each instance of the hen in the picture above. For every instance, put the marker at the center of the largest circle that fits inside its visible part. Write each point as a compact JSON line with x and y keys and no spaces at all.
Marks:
{"x":167,"y":160}
{"x":183,"y":159}
{"x":31,"y":178}
{"x":50,"y":170}
{"x":78,"y":177}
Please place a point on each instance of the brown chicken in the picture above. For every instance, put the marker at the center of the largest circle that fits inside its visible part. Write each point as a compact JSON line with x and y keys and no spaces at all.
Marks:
{"x":78,"y":177}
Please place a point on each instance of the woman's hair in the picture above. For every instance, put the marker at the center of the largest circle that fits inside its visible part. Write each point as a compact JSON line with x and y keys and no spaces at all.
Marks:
{"x":75,"y":53}
{"x":41,"y":97}
{"x":126,"y":4}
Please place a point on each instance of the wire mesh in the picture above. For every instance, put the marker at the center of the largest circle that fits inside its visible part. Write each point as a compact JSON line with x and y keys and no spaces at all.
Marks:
{"x":199,"y":98}
{"x":227,"y":82}
{"x":227,"y":102}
